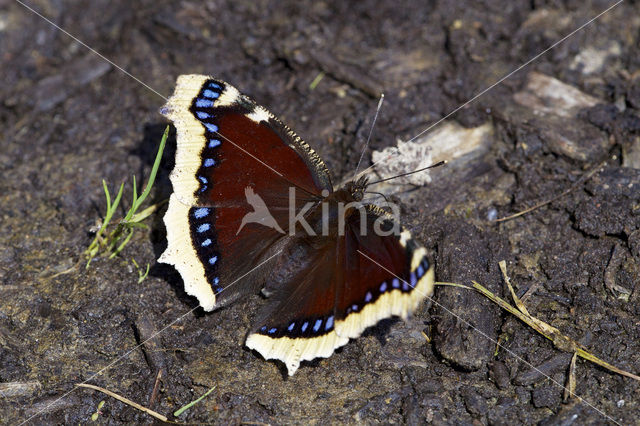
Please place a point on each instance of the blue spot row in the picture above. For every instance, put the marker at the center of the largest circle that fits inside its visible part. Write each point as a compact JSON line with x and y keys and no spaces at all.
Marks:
{"x":423,"y":268}
{"x":394,"y":284}
{"x":298,"y":328}
{"x":202,"y":108}
{"x":202,"y":226}
{"x":204,"y":182}
{"x":205,"y":240}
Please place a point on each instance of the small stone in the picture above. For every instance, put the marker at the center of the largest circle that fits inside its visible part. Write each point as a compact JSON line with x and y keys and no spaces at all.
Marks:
{"x":499,"y":374}
{"x":556,"y":363}
{"x":546,"y":396}
{"x":474,"y":403}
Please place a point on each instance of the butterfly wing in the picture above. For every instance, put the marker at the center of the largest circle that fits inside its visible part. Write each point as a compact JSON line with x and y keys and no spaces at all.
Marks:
{"x":349,"y":284}
{"x":230,"y":151}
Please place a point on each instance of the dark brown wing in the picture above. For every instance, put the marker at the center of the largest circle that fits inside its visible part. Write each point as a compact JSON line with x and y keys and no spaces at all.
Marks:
{"x":235,"y":165}
{"x":350,"y":283}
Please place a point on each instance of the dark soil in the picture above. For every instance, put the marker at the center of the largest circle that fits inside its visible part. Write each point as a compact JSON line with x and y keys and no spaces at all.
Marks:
{"x":70,"y":119}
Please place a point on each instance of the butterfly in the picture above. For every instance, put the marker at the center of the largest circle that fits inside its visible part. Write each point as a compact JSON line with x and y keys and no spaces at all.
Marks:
{"x":254,"y":209}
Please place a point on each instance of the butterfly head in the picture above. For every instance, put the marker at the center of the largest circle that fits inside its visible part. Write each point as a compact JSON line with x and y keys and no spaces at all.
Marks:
{"x":356,"y":188}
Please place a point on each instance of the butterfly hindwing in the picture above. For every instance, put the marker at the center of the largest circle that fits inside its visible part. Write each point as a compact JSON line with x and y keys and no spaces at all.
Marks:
{"x":353,"y":282}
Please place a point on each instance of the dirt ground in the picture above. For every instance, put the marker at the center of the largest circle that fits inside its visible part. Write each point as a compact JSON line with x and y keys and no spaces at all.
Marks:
{"x":70,"y":119}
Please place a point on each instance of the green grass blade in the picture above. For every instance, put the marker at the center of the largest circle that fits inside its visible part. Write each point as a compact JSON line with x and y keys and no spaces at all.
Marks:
{"x":114,"y":206}
{"x":106,"y":193}
{"x":134,"y":202}
{"x":94,"y":248}
{"x":192,"y":403}
{"x":135,"y":191}
{"x":141,"y":277}
{"x":154,"y":171}
{"x":139,"y":217}
{"x":316,"y":81}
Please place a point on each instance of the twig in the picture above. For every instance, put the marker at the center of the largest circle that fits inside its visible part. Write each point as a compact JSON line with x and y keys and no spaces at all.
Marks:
{"x":570,"y":389}
{"x":579,"y":182}
{"x":126,"y":401}
{"x":156,"y":387}
{"x":559,"y":340}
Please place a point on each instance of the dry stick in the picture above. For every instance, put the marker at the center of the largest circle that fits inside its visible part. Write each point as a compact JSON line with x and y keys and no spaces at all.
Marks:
{"x":559,"y":340}
{"x":580,"y":181}
{"x":126,"y":401}
{"x":156,"y":387}
{"x":47,"y":278}
{"x":570,"y":389}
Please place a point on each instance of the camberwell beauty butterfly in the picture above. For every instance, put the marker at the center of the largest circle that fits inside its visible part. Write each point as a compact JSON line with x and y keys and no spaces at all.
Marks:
{"x":254,"y":209}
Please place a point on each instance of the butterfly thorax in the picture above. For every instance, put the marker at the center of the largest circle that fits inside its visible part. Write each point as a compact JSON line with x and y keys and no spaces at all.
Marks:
{"x":326,"y":218}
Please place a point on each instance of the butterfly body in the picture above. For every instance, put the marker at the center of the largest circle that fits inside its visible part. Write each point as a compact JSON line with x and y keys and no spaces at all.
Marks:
{"x":254,"y":209}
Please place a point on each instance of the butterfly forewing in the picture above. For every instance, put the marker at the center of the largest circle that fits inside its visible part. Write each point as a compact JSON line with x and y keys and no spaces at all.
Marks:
{"x":229,"y":151}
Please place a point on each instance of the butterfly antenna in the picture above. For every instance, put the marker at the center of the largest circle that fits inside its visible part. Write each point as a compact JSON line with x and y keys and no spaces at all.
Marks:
{"x":378,"y":193}
{"x":438,"y":164}
{"x":375,"y":117}
{"x":369,"y":168}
